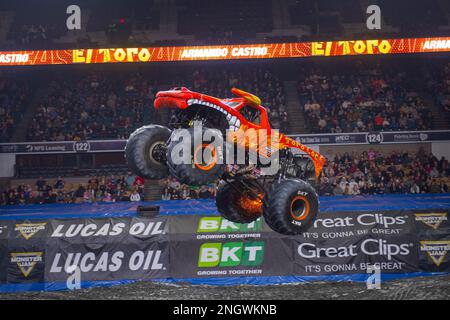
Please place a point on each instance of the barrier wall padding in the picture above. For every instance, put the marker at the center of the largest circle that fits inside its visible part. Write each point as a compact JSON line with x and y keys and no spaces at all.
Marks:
{"x":401,"y":235}
{"x":207,"y":207}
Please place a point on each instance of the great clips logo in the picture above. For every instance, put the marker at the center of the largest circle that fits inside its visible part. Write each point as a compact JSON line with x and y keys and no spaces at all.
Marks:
{"x":365,"y":220}
{"x":369,"y":247}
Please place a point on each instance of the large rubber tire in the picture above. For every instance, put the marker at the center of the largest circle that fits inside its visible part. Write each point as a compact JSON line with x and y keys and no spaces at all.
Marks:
{"x":227,"y":202}
{"x":188,"y":172}
{"x":291,"y":207}
{"x":139,"y":148}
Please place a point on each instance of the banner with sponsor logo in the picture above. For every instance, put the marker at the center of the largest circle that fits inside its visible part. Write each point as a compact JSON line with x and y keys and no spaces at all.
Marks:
{"x":374,"y":137}
{"x":339,"y":243}
{"x":350,"y":242}
{"x":433,"y":230}
{"x":221,"y":258}
{"x":63,"y":147}
{"x":99,"y":249}
{"x":209,"y":246}
{"x":309,"y":139}
{"x":226,"y":52}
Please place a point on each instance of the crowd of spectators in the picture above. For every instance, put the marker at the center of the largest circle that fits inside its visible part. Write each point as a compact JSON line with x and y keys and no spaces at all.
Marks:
{"x":97,"y":189}
{"x":438,"y":84}
{"x":259,"y":81}
{"x":34,"y":35}
{"x":101,"y":105}
{"x":363,"y":99}
{"x":374,"y":173}
{"x":98,"y":106}
{"x":174,"y":190}
{"x":13,"y":98}
{"x":366,"y":173}
{"x":92,"y":106}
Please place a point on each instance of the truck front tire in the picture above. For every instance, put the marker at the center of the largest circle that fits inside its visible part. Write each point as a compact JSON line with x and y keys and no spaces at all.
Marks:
{"x":145,"y":151}
{"x":291,"y":207}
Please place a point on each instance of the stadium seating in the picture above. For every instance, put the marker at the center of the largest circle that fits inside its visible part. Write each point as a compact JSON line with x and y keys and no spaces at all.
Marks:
{"x":369,"y":172}
{"x":414,"y":18}
{"x":365,"y":97}
{"x":92,"y":106}
{"x":376,"y":173}
{"x":226,"y":21}
{"x":335,"y":95}
{"x":437,"y":80}
{"x":14,"y":96}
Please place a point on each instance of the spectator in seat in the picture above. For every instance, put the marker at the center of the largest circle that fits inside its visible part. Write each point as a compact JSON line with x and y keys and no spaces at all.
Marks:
{"x":40,"y":183}
{"x":414,"y":188}
{"x":135,"y":196}
{"x":59,"y":183}
{"x":166,"y":194}
{"x":204,"y":193}
{"x":130,"y":178}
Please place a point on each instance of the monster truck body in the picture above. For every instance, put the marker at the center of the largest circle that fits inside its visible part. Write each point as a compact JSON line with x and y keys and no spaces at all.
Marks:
{"x":230,"y":110}
{"x":285,"y":198}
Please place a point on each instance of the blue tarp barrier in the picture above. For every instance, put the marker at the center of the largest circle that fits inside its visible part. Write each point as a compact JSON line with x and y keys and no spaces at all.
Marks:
{"x":208,"y":207}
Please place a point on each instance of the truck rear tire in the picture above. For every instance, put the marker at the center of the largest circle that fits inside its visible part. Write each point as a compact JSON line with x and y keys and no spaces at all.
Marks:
{"x":229,"y":204}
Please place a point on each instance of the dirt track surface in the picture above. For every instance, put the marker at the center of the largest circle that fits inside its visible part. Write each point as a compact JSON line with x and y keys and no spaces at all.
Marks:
{"x":429,"y":288}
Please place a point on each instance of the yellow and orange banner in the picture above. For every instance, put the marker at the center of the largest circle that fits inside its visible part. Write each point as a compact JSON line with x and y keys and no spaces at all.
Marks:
{"x":225,"y":52}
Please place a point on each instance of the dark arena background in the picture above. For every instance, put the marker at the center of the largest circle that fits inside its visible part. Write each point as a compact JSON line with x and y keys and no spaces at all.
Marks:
{"x":364,"y":83}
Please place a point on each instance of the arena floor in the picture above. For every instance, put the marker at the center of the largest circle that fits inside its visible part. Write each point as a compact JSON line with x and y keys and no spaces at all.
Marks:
{"x":423,"y":288}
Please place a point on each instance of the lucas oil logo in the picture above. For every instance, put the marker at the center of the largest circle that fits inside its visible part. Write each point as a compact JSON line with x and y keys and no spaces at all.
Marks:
{"x":221,"y":225}
{"x":433,"y":220}
{"x":436,"y":250}
{"x":26,"y":261}
{"x":27,"y":230}
{"x":231,"y":254}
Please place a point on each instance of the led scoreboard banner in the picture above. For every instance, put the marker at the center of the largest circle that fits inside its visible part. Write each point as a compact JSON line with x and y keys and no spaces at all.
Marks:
{"x":226,"y":52}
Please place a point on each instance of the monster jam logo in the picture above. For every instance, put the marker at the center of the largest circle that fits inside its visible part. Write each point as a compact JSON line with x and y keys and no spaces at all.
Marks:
{"x":231,"y":254}
{"x":436,"y":250}
{"x":27,"y":230}
{"x":221,"y":225}
{"x":26,"y":261}
{"x":432,"y":220}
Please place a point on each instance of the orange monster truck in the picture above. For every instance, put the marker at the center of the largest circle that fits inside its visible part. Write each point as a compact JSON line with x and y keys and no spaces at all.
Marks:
{"x":284,"y":195}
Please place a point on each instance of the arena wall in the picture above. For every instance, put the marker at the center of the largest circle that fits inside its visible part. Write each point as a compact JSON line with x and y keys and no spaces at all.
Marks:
{"x":50,"y":247}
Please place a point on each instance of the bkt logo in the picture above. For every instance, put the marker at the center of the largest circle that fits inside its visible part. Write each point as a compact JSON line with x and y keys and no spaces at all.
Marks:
{"x":219,"y":224}
{"x":231,"y":254}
